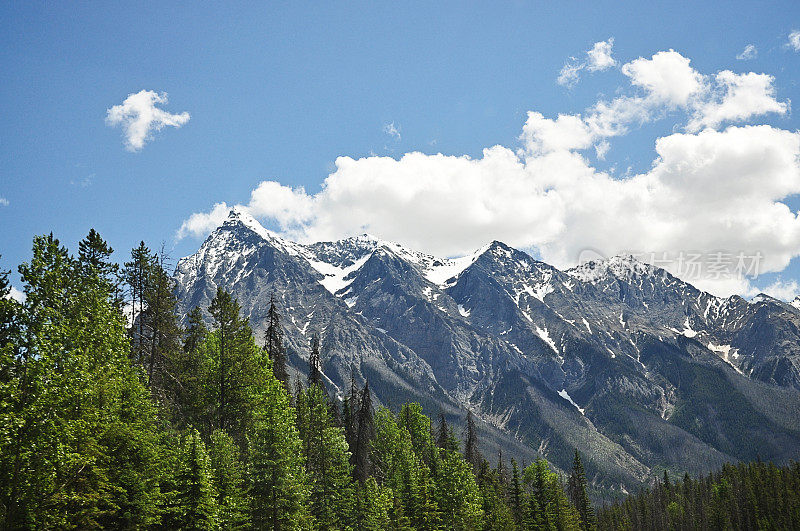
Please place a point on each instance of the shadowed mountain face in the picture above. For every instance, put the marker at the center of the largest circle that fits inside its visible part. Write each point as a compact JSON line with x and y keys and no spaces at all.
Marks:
{"x":635,"y":368}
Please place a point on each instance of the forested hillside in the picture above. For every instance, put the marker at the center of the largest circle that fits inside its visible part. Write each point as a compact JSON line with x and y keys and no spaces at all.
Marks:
{"x":115,"y":415}
{"x":745,"y":496}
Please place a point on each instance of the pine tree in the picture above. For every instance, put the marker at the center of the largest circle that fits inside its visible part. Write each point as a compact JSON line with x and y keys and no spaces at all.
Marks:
{"x":396,"y":465}
{"x":229,"y":480}
{"x":238,"y":367}
{"x":94,"y":254}
{"x":273,"y":343}
{"x":136,"y":274}
{"x":278,"y":482}
{"x":457,"y":494}
{"x":364,"y":437}
{"x":374,"y":506}
{"x":516,"y":495}
{"x":196,"y":330}
{"x":576,"y":489}
{"x":190,"y":372}
{"x":445,"y":439}
{"x":314,"y":363}
{"x":548,"y":505}
{"x":327,"y":464}
{"x":81,"y":446}
{"x":497,"y":515}
{"x":471,"y":452}
{"x":196,"y":497}
{"x":160,"y":325}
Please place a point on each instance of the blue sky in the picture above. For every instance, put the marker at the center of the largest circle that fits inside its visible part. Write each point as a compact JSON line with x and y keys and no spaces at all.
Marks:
{"x":277,"y":91}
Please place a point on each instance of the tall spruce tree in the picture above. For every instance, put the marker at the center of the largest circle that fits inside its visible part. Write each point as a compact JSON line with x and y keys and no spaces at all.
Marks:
{"x":189,"y":381}
{"x":237,"y":366}
{"x":136,"y":274}
{"x":94,"y":253}
{"x":445,"y":438}
{"x":364,"y":436}
{"x":160,"y":325}
{"x":315,"y":363}
{"x":273,"y":343}
{"x":327,"y":464}
{"x":196,"y":497}
{"x":576,"y":490}
{"x":229,"y":480}
{"x":278,"y":482}
{"x":471,"y":453}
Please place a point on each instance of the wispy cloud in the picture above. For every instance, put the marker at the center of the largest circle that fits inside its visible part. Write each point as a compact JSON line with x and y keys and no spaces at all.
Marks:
{"x":83,"y":182}
{"x":570,"y":73}
{"x":597,"y":58}
{"x":794,"y":40}
{"x":140,"y":118}
{"x":392,"y":130}
{"x":749,"y":52}
{"x":4,"y":201}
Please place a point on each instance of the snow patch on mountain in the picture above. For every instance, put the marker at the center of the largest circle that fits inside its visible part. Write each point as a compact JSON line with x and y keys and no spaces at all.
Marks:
{"x":545,"y":336}
{"x":440,"y":271}
{"x":565,"y":395}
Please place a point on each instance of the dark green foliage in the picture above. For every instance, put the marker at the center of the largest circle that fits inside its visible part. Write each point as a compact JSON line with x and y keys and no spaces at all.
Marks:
{"x":327,"y":460}
{"x":516,"y":496}
{"x":278,"y":488}
{"x":79,"y":445}
{"x":195,"y":498}
{"x":229,"y":479}
{"x":471,"y":452}
{"x":445,"y":438}
{"x":137,"y":275}
{"x":273,"y":344}
{"x":365,"y":435}
{"x":315,"y":363}
{"x":745,"y":496}
{"x":237,"y":367}
{"x":576,"y":490}
{"x":548,"y":506}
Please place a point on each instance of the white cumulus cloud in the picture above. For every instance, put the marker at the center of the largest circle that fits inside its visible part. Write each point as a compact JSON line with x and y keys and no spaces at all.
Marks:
{"x":708,"y":188}
{"x":140,"y":118}
{"x":739,"y":97}
{"x":4,"y":201}
{"x":600,"y":56}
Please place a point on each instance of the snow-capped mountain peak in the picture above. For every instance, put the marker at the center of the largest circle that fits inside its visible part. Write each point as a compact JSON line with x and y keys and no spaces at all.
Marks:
{"x":623,"y":267}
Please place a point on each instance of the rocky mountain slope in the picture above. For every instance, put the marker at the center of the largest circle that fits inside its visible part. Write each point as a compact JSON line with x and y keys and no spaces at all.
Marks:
{"x":635,"y":368}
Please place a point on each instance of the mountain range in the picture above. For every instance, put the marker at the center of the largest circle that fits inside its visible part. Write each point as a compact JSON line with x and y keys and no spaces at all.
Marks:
{"x":638,"y":370}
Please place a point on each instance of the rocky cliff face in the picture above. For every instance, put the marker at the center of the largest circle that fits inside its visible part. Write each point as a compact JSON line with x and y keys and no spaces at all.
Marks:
{"x":635,"y":368}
